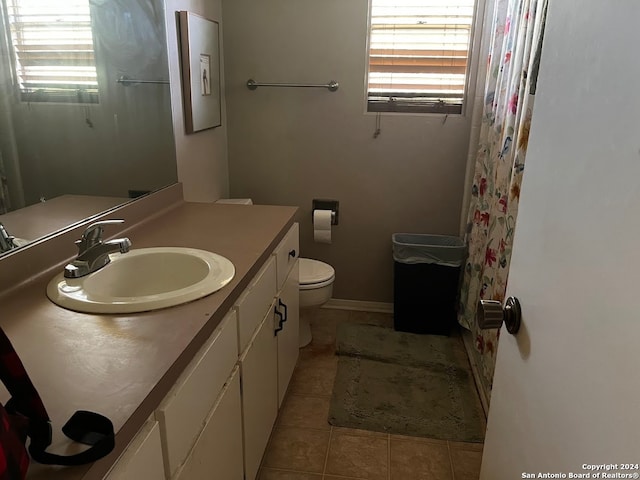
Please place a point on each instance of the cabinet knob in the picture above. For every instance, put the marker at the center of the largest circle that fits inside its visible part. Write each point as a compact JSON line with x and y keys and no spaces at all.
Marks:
{"x":292,"y":253}
{"x":491,"y":314}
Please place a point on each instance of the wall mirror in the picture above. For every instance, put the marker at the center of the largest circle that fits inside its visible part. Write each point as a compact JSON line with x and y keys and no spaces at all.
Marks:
{"x":85,"y":112}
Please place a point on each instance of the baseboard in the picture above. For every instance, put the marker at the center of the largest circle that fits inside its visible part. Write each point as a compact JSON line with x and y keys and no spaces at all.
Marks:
{"x":361,"y":305}
{"x":468,"y":346}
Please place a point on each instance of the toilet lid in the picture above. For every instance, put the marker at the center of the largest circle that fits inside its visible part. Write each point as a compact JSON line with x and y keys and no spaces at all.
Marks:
{"x":315,"y":271}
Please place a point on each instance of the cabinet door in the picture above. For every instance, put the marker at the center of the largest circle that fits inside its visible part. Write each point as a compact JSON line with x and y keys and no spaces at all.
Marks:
{"x":259,"y":378}
{"x":288,"y":342}
{"x":142,"y":458}
{"x":217,"y":454}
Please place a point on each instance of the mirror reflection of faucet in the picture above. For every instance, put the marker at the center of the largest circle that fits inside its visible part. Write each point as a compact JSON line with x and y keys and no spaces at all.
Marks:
{"x":93,"y":252}
{"x":7,"y":242}
{"x":20,"y":242}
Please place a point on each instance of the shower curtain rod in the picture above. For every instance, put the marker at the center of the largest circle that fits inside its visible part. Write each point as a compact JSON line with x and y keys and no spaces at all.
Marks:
{"x":332,"y":86}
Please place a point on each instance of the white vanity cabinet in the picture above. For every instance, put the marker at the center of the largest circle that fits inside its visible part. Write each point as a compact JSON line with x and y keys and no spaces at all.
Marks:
{"x":217,"y":453}
{"x":258,"y":364}
{"x":287,"y":308}
{"x":216,"y":420}
{"x":183,"y":413}
{"x":142,"y":458}
{"x":259,"y":371}
{"x":255,"y":302}
{"x":267,"y":361}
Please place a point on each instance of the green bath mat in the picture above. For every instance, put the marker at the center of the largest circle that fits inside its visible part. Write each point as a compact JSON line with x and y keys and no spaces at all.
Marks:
{"x":405,"y":384}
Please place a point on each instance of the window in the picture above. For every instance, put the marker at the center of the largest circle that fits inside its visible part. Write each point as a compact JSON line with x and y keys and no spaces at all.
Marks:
{"x":53,"y":50}
{"x":418,"y":55}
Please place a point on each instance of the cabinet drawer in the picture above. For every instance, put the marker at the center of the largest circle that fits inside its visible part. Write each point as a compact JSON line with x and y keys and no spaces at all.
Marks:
{"x":255,"y":302}
{"x":286,"y":253}
{"x":217,"y":453}
{"x":142,"y":458}
{"x":182,"y":413}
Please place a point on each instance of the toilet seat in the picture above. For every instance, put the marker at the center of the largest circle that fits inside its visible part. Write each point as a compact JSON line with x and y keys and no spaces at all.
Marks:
{"x":315,"y":274}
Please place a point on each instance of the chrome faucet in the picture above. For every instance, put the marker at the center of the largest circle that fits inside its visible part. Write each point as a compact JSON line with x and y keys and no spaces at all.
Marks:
{"x":6,"y":240}
{"x":93,"y":253}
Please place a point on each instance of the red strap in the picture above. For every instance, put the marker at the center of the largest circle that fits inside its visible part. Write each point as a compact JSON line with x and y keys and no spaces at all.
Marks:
{"x":27,"y":408}
{"x":25,"y":398}
{"x":14,"y":460}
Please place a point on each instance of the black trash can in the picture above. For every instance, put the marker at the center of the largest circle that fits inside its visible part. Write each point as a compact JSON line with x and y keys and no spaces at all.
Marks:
{"x":426,"y":274}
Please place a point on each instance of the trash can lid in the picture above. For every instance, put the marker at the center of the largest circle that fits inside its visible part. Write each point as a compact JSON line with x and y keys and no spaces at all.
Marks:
{"x":429,"y":240}
{"x":413,"y":248}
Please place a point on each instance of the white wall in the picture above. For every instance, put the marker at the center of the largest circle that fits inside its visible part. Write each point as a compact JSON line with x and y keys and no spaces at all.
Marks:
{"x":288,"y":146}
{"x":201,"y":156}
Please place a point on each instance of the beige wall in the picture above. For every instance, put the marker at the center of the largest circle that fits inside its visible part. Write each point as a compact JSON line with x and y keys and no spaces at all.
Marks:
{"x":201,"y":156}
{"x":288,"y":146}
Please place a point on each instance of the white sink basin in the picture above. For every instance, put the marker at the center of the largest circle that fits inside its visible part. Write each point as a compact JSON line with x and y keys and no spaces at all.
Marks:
{"x":144,"y":279}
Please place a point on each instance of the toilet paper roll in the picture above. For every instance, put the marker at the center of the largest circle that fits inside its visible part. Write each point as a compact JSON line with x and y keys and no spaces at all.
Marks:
{"x":322,"y":226}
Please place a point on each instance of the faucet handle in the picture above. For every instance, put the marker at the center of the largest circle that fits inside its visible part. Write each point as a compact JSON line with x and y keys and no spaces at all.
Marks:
{"x":92,"y":235}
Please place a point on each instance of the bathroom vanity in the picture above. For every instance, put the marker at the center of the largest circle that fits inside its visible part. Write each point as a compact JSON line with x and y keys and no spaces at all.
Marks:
{"x":193,"y":390}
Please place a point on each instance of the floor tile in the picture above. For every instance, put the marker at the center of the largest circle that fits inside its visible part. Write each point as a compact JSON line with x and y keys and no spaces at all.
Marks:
{"x":314,"y":374}
{"x":408,"y":438}
{"x":466,"y":464}
{"x":359,"y":432}
{"x":299,"y":449}
{"x":419,"y":461}
{"x":477,"y":447}
{"x":331,"y":477}
{"x":323,"y":324}
{"x":358,"y":456}
{"x":272,"y":474}
{"x":305,"y":411}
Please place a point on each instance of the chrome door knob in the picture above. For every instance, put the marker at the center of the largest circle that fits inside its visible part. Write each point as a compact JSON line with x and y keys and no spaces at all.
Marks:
{"x":490,"y":314}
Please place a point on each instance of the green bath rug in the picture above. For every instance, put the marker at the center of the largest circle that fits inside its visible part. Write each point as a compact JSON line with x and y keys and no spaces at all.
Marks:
{"x":404,"y":384}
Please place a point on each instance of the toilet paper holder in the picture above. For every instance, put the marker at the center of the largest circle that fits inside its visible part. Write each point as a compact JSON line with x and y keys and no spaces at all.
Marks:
{"x":325,"y":204}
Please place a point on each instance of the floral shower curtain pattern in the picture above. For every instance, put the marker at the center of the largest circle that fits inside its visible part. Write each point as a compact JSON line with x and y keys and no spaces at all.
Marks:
{"x":514,"y":54}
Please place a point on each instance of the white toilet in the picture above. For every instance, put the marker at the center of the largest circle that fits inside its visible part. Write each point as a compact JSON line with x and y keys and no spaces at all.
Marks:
{"x":316,"y":288}
{"x":316,"y":282}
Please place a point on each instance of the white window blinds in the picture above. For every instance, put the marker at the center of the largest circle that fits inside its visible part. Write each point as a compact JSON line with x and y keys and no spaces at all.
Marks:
{"x":53,"y":48}
{"x":418,"y":55}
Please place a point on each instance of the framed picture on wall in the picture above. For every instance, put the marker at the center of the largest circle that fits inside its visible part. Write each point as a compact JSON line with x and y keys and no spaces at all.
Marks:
{"x":200,"y":62}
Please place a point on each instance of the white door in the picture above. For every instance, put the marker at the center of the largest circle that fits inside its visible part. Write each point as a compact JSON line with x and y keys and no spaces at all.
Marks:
{"x":567,"y":388}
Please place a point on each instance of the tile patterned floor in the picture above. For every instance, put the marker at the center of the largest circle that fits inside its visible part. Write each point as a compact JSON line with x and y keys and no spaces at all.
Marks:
{"x":304,"y":446}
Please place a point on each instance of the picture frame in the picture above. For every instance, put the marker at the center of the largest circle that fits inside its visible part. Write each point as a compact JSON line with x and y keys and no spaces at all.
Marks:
{"x":200,"y":64}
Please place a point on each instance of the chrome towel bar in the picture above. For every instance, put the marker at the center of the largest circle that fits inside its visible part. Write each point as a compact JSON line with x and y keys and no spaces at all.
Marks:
{"x":126,"y":81}
{"x":332,"y":86}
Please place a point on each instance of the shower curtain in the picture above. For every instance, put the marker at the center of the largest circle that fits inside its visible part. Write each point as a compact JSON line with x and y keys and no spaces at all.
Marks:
{"x":510,"y":84}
